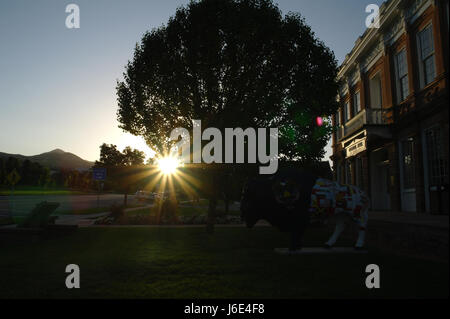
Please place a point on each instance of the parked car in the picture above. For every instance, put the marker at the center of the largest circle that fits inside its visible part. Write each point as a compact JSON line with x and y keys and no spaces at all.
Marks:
{"x":143,"y":195}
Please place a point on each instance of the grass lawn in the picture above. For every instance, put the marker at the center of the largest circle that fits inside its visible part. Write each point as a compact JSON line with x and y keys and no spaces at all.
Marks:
{"x":94,"y":210}
{"x":36,"y":190}
{"x":184,"y":210}
{"x":188,"y":263}
{"x":86,"y":211}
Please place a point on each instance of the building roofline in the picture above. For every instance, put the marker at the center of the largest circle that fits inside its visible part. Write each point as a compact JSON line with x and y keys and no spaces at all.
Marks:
{"x":387,"y":9}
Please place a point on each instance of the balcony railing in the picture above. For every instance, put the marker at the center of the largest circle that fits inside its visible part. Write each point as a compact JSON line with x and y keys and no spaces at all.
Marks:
{"x":421,"y":100}
{"x":365,"y":117}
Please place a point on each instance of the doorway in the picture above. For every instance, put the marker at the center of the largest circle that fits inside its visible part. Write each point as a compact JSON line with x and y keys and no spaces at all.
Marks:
{"x":379,"y":173}
{"x":407,"y":175}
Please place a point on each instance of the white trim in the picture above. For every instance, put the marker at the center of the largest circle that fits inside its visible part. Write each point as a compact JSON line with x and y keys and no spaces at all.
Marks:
{"x":390,"y":12}
{"x":373,"y":61}
{"x":398,"y":84}
{"x":353,"y":136}
{"x":419,"y":54}
{"x":370,"y":36}
{"x":357,"y":148}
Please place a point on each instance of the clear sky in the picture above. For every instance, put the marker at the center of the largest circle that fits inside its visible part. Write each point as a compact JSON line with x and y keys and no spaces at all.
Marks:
{"x":57,"y":85}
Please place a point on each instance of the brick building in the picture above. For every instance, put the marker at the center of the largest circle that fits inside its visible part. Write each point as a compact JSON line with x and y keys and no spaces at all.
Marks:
{"x":392,"y":128}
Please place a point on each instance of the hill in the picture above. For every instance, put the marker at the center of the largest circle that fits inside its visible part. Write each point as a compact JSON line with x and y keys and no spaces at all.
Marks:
{"x":56,"y":159}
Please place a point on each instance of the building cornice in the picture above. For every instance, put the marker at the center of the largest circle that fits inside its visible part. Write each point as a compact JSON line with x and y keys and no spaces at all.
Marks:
{"x":395,"y":16}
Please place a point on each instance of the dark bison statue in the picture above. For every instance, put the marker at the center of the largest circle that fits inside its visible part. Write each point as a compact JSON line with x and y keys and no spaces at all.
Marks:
{"x":291,"y":198}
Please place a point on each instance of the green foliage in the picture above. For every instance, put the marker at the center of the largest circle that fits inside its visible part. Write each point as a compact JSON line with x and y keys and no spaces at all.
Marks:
{"x":218,"y":58}
{"x":110,"y":156}
{"x":33,"y":174}
{"x":133,"y":157}
{"x":122,"y":168}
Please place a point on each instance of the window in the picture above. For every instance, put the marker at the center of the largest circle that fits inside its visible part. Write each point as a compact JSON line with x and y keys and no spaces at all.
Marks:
{"x":408,"y":163}
{"x":375,"y":92}
{"x":401,"y":68}
{"x":347,"y":111}
{"x":356,"y":103}
{"x":437,"y":163}
{"x":426,"y":56}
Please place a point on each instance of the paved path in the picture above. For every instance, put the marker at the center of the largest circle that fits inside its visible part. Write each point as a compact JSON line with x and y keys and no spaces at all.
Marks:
{"x":440,"y":221}
{"x":393,"y":217}
{"x":88,"y":219}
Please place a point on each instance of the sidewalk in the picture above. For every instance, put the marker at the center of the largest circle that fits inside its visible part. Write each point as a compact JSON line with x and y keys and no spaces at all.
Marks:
{"x":439,"y":221}
{"x":426,"y":220}
{"x":420,"y":235}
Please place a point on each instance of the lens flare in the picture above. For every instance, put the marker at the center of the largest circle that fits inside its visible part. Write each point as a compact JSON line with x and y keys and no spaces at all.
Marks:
{"x":319,"y":121}
{"x":168,"y":165}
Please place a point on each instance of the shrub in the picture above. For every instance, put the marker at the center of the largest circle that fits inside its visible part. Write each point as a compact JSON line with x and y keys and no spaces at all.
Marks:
{"x":40,"y":215}
{"x":169,"y":209}
{"x":117,"y":211}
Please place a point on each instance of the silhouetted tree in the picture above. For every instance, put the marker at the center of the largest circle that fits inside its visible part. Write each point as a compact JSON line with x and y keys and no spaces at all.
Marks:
{"x":31,"y":173}
{"x":120,"y":166}
{"x":11,"y":164}
{"x":2,"y":172}
{"x":25,"y":173}
{"x":44,"y":177}
{"x":133,"y":157}
{"x":109,"y":156}
{"x":231,"y":63}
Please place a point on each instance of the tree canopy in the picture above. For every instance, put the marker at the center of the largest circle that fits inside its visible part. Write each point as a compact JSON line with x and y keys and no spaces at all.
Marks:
{"x":124,"y":168}
{"x":110,"y":156}
{"x":231,"y":63}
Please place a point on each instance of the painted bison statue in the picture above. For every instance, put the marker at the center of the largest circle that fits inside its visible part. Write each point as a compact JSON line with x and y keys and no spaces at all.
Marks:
{"x":291,"y":198}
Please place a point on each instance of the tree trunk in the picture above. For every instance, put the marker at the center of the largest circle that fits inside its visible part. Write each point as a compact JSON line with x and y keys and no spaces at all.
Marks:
{"x":211,"y":218}
{"x":227,"y":203}
{"x":125,"y":199}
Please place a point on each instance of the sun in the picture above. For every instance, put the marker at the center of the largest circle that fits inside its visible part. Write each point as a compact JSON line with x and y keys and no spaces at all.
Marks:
{"x":168,"y":165}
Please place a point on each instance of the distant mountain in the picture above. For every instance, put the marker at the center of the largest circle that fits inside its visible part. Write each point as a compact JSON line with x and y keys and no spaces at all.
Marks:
{"x":56,"y":159}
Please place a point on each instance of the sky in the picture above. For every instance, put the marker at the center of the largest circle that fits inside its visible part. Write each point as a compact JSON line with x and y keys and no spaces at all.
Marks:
{"x":57,"y":85}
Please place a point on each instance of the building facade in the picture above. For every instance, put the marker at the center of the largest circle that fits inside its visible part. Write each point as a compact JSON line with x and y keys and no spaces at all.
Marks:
{"x":392,"y":127}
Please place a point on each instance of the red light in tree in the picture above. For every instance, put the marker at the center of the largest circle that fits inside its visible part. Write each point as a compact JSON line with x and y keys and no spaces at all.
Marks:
{"x":319,"y":121}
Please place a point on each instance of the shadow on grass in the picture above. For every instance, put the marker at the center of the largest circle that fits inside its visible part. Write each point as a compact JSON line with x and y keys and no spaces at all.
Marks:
{"x":188,"y":263}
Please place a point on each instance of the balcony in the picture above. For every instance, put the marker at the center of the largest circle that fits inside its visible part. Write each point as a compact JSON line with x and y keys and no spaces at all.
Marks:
{"x":417,"y":102}
{"x":365,"y":117}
